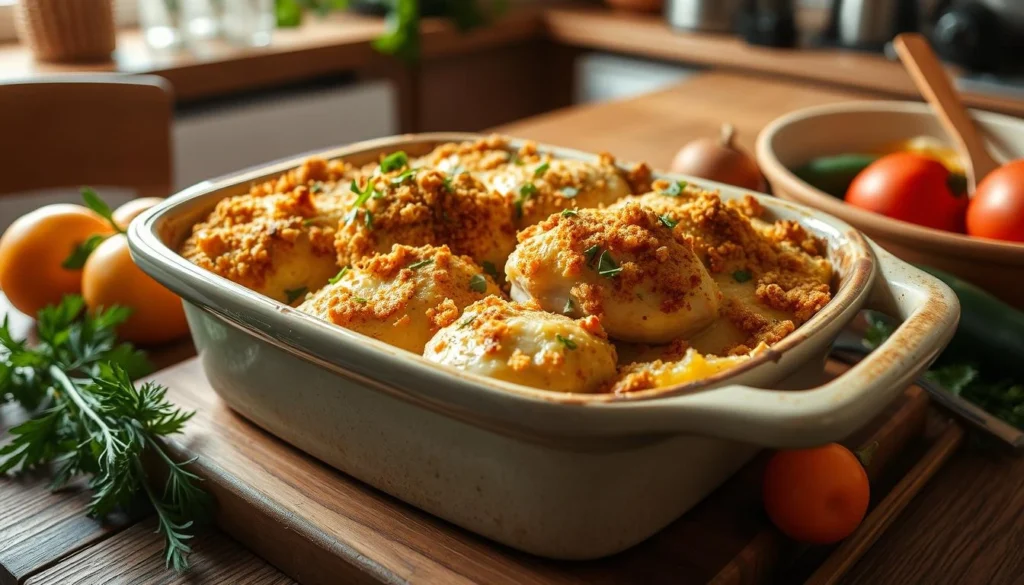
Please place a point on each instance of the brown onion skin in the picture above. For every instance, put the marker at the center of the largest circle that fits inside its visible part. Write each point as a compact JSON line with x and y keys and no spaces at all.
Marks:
{"x":719,"y":160}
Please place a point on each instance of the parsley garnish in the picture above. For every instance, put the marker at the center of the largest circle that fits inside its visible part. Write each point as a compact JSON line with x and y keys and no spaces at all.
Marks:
{"x":421,"y":263}
{"x":491,"y":269}
{"x":478,"y":283}
{"x":606,"y":266}
{"x":364,"y":195}
{"x":394,"y":161}
{"x":308,"y":222}
{"x":465,"y":322}
{"x":360,"y":300}
{"x":568,"y":343}
{"x":295,"y":293}
{"x":90,"y":419}
{"x":406,"y":175}
{"x":514,"y":159}
{"x":368,"y":219}
{"x":590,"y":253}
{"x":675,"y":189}
{"x":341,"y":273}
{"x":568,"y":306}
{"x":667,"y":221}
{"x":569,"y":213}
{"x":741,"y":275}
{"x":317,"y":187}
{"x":448,"y":184}
{"x":570,"y":192}
{"x":525,"y":192}
{"x":351,"y":216}
{"x":539,"y":171}
{"x":97,"y":204}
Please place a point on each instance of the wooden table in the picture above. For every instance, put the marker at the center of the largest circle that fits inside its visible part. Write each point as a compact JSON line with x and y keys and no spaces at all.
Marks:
{"x":967,"y":526}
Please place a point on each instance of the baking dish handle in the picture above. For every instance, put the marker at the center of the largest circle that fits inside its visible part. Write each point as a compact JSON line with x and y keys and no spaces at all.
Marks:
{"x":929,"y":311}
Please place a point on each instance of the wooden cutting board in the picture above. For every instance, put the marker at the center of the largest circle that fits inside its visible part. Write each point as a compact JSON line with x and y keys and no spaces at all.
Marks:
{"x":319,"y":526}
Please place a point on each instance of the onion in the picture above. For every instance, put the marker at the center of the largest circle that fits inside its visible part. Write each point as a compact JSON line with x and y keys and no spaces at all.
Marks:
{"x":719,"y":160}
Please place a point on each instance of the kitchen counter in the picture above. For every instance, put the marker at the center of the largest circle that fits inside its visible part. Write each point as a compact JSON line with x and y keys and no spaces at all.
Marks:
{"x":964,"y":527}
{"x":342,"y":42}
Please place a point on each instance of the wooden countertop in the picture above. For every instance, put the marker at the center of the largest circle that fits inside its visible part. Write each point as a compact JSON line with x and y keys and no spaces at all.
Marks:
{"x":342,"y":42}
{"x":964,"y":527}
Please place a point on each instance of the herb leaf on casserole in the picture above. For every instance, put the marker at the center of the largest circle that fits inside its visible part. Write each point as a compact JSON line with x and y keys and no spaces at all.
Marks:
{"x":675,"y":189}
{"x":478,"y":283}
{"x":742,"y":275}
{"x":568,"y":343}
{"x":421,"y":263}
{"x":540,"y":170}
{"x":337,"y":277}
{"x":295,"y":293}
{"x":606,"y":265}
{"x":667,"y":221}
{"x":394,"y":161}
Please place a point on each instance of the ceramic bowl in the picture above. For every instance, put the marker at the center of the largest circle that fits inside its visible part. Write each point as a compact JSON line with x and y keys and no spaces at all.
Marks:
{"x":560,"y":475}
{"x":796,"y":138}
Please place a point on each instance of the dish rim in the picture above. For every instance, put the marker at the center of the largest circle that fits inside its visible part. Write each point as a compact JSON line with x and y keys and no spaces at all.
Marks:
{"x":959,"y":245}
{"x":146,"y":245}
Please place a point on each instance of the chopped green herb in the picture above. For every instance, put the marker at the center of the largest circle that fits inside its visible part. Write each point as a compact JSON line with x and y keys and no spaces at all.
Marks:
{"x":308,"y":222}
{"x":317,"y":187}
{"x":394,"y":161}
{"x":667,"y":221}
{"x":491,"y":269}
{"x":591,"y":253}
{"x":675,"y":189}
{"x":742,"y":275}
{"x":421,"y":263}
{"x":514,"y":159}
{"x":405,"y":176}
{"x":295,"y":293}
{"x":80,"y":253}
{"x":341,"y":274}
{"x":539,"y":171}
{"x":465,"y":322}
{"x":570,"y":192}
{"x":606,"y":266}
{"x":568,"y":343}
{"x":97,"y":204}
{"x":368,"y":219}
{"x":478,"y":283}
{"x":363,"y":195}
{"x":525,"y":192}
{"x":448,"y":184}
{"x":569,"y":213}
{"x":568,"y":306}
{"x":351,"y":216}
{"x":360,"y":300}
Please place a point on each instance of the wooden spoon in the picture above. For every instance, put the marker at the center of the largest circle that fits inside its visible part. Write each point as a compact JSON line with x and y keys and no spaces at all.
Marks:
{"x":930,"y":77}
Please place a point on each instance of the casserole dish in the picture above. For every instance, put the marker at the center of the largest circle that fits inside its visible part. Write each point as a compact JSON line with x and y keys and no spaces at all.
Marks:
{"x":566,"y":476}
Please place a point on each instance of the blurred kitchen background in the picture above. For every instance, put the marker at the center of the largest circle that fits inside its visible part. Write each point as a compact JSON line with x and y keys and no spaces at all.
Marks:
{"x":256,"y":80}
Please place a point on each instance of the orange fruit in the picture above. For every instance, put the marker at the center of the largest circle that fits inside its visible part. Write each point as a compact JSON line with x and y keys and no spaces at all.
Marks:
{"x":33,"y":249}
{"x":816,"y":495}
{"x":130,"y":210}
{"x":110,"y":277}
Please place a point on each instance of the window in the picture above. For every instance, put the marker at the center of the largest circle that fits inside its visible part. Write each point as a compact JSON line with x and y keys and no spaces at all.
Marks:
{"x":125,"y":14}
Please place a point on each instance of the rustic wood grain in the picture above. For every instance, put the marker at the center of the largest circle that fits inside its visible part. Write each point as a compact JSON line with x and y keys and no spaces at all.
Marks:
{"x":647,"y":35}
{"x":39,"y":527}
{"x":319,"y":526}
{"x":655,"y":126}
{"x":135,"y":556}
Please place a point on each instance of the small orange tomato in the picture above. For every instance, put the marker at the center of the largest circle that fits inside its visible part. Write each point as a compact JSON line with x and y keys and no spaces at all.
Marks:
{"x":816,"y":495}
{"x":33,"y":249}
{"x":110,"y":277}
{"x":130,"y":210}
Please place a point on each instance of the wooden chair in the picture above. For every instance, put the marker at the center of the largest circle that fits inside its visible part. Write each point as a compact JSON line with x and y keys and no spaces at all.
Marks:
{"x":103,"y":130}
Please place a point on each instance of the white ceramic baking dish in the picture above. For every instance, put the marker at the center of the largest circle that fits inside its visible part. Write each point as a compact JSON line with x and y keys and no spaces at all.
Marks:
{"x":558,"y":475}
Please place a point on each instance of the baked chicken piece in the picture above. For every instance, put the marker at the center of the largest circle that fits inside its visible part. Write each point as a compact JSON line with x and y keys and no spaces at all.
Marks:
{"x":625,"y":266}
{"x":772,"y":276}
{"x":425,"y":207}
{"x":278,"y":239}
{"x":404,"y":297}
{"x":520,"y":343}
{"x":475,"y":156}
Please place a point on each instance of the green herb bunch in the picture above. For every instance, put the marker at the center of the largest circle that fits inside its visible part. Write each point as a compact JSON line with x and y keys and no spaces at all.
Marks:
{"x":89,"y":418}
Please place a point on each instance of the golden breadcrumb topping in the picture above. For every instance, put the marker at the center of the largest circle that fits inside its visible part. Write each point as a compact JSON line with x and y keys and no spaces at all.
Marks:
{"x":426,"y":207}
{"x":402,"y":297}
{"x":406,"y":251}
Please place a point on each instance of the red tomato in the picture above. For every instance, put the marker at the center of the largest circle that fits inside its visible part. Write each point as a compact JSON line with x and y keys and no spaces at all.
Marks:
{"x":997,"y":209}
{"x":910,"y":187}
{"x":816,"y":495}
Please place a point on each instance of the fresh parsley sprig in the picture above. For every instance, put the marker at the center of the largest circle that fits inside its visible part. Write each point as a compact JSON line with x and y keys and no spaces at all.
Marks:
{"x":76,"y":260}
{"x":90,"y":418}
